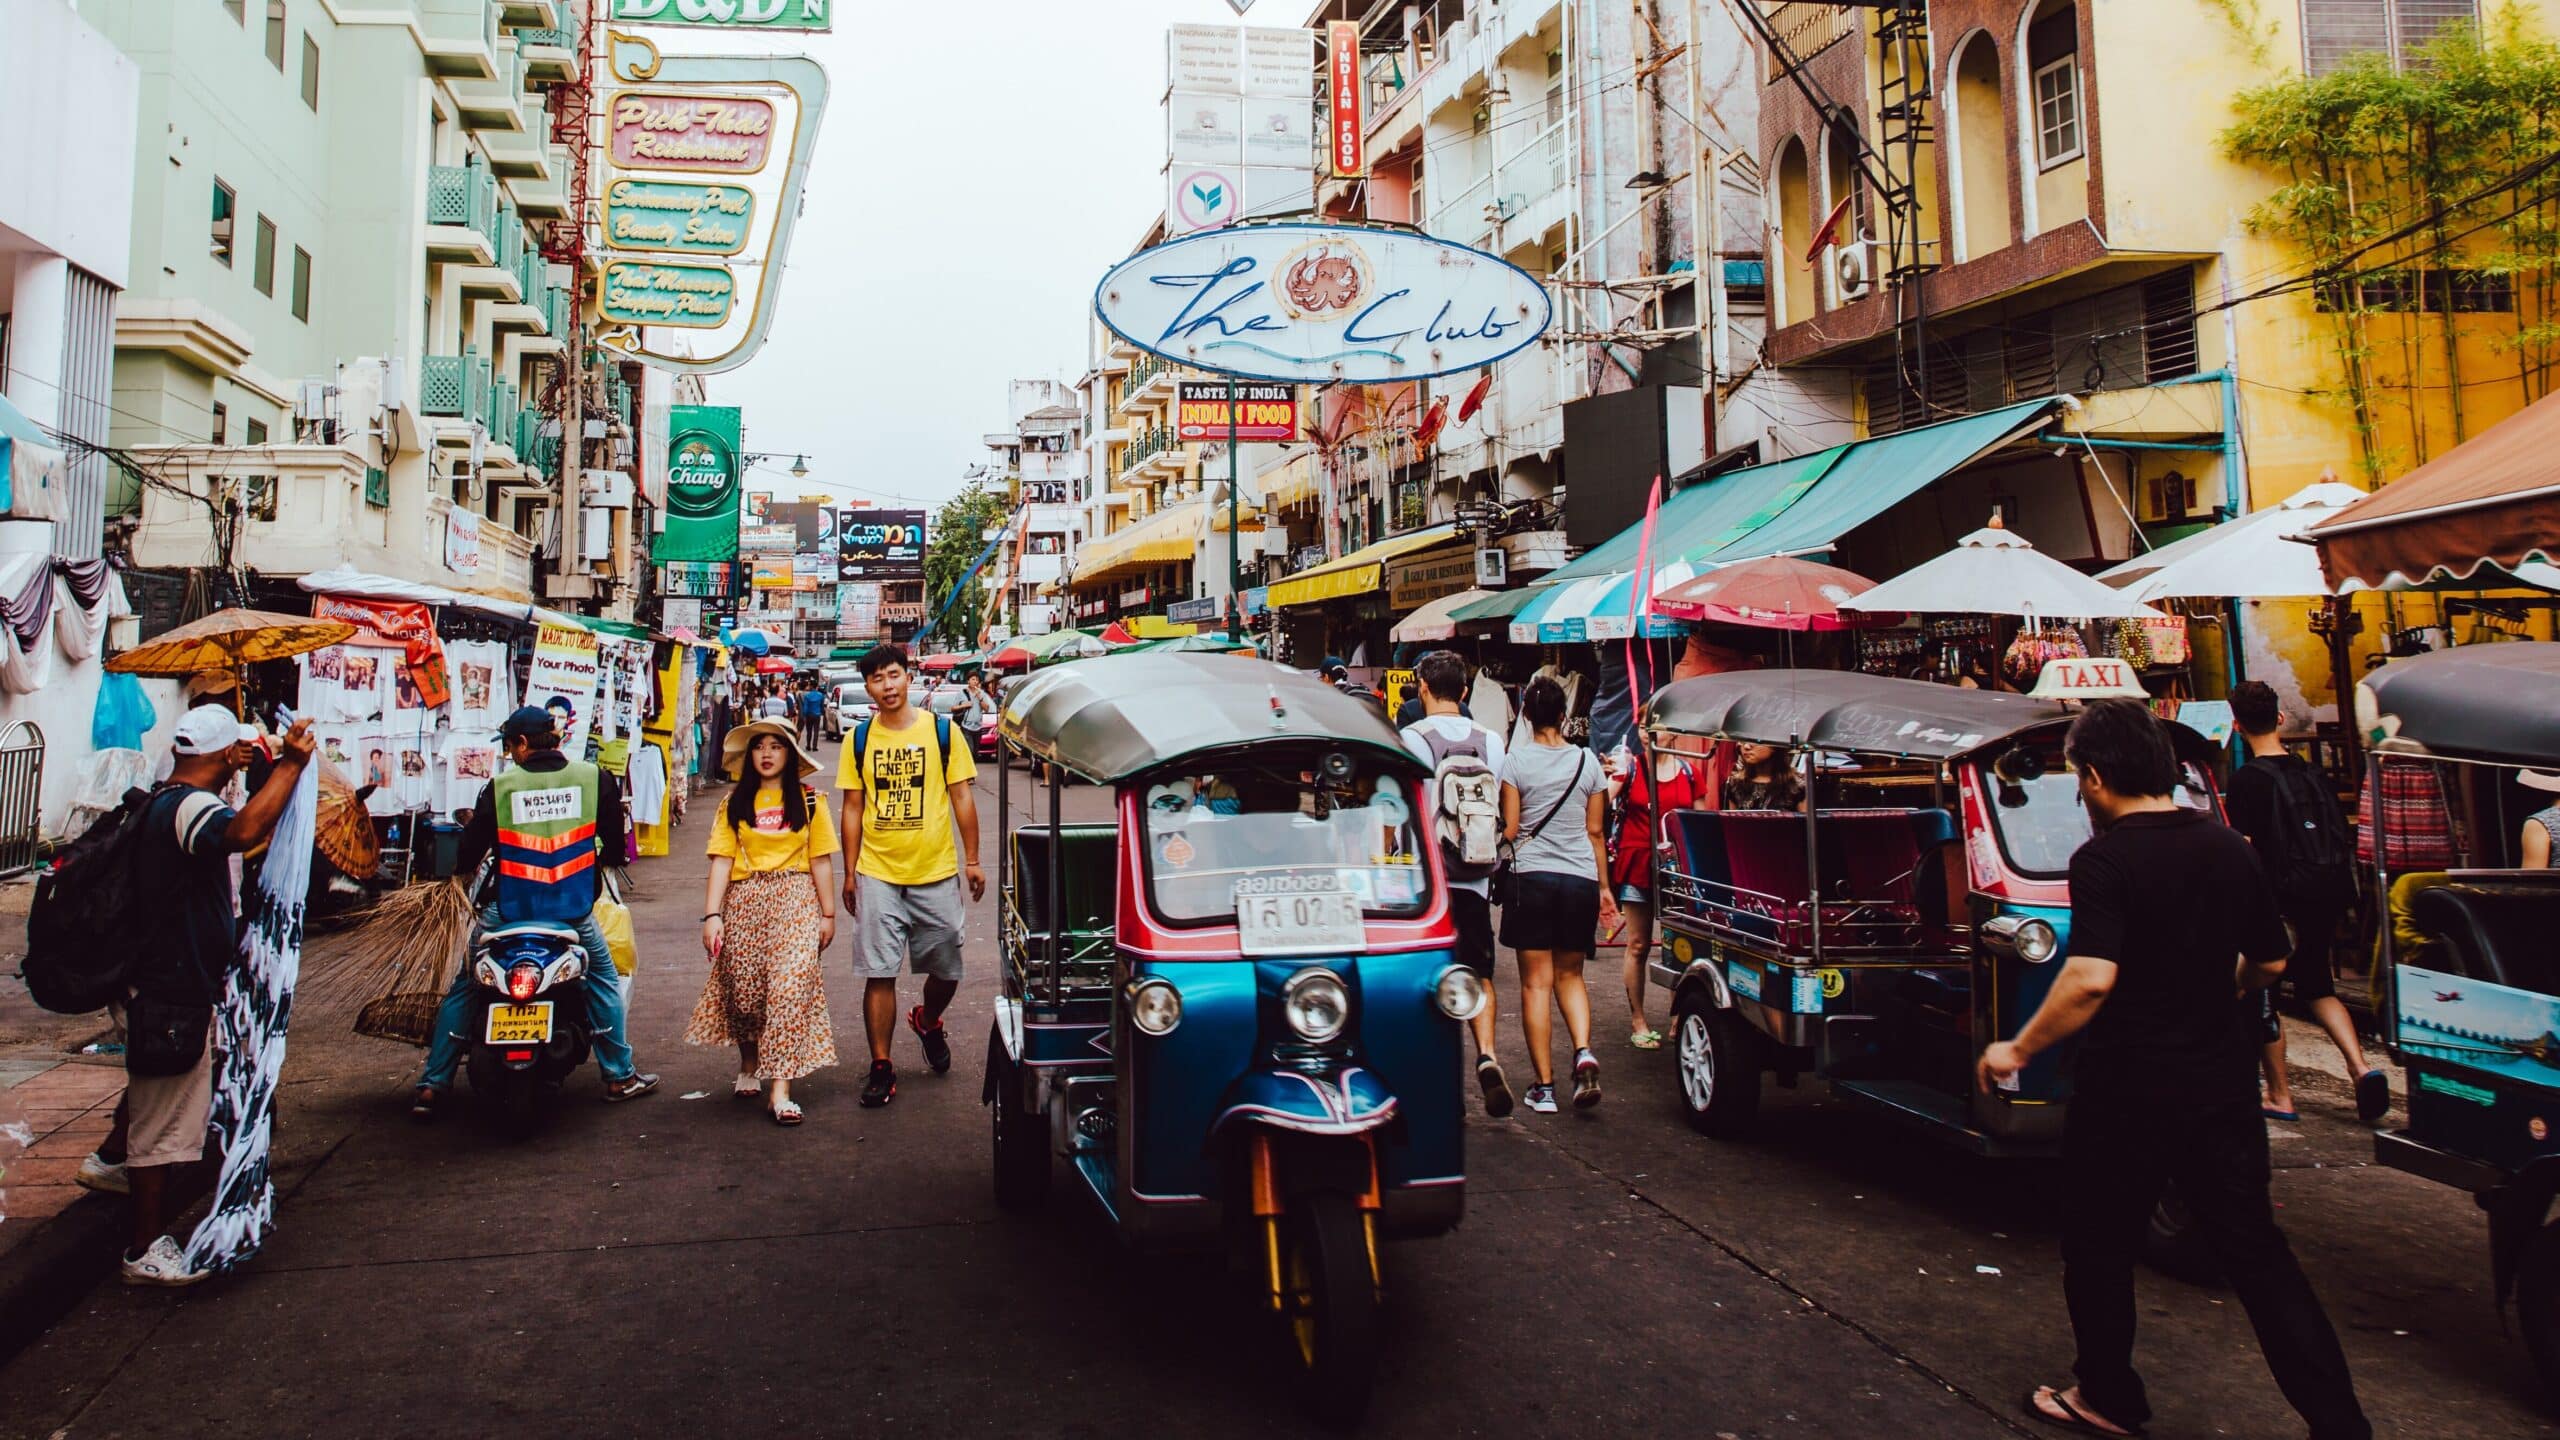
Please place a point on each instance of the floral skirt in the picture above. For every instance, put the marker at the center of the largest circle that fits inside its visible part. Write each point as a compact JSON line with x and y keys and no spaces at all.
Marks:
{"x":766,"y":989}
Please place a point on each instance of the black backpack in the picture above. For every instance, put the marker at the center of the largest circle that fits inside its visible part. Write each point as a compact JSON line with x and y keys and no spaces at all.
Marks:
{"x":90,"y":917}
{"x":2314,"y":850}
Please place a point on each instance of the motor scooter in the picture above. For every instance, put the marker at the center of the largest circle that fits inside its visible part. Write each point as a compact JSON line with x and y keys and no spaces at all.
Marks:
{"x":529,"y":1012}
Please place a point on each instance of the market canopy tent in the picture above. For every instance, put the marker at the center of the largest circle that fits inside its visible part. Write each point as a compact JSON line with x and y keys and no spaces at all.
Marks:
{"x":1994,"y":571}
{"x":1775,"y":592}
{"x":2493,"y":500}
{"x":2258,"y":556}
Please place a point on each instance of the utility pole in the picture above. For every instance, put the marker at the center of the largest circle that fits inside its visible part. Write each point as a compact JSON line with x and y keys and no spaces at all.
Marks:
{"x":1235,"y":567}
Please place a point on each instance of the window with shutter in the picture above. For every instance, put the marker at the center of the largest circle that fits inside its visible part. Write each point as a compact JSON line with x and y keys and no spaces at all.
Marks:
{"x":2334,"y":31}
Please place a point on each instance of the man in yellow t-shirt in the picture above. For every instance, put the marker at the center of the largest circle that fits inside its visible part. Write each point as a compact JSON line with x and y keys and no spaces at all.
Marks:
{"x":906,"y":779}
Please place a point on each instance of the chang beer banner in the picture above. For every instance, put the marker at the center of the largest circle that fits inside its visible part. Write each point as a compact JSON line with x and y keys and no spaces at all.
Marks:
{"x":729,"y":14}
{"x":702,"y":484}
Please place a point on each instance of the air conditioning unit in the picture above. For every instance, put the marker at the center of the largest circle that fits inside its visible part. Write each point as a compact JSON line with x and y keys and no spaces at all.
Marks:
{"x":1853,"y":268}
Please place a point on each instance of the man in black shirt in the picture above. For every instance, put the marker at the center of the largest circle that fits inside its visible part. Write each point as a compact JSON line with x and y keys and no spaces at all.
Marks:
{"x":2166,"y":1079}
{"x":2284,"y":806}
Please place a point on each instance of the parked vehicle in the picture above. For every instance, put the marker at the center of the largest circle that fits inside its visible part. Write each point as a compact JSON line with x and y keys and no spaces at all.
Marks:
{"x":851,"y":707}
{"x":529,"y":1010}
{"x":1916,"y":910}
{"x":1233,"y":1011}
{"x":2474,"y":1011}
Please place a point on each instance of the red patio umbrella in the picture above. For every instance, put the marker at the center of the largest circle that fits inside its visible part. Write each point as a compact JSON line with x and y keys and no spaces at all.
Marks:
{"x":1011,"y":657}
{"x":1117,"y":634}
{"x":773,"y":665}
{"x":1775,"y":592}
{"x":940,"y":662}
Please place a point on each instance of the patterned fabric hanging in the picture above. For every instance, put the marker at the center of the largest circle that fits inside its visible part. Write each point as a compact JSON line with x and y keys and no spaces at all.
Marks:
{"x":249,"y":1039}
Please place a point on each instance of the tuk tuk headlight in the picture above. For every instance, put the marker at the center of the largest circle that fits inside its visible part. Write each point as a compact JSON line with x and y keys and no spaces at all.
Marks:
{"x":2022,"y":937}
{"x":1460,"y":993}
{"x":1316,"y":1005}
{"x":1155,"y":1007}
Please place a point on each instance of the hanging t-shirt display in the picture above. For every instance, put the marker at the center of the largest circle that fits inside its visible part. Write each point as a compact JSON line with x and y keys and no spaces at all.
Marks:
{"x":484,"y":685}
{"x":346,"y":682}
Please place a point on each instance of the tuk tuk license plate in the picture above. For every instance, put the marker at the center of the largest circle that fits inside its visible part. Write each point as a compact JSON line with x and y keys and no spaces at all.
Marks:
{"x":1302,"y":924}
{"x":519,"y":1024}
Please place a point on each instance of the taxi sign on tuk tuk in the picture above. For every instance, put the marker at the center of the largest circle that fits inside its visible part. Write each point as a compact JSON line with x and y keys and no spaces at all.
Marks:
{"x":2095,"y":677}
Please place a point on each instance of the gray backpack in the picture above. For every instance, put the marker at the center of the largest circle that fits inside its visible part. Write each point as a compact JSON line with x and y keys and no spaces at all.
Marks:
{"x":1466,"y":805}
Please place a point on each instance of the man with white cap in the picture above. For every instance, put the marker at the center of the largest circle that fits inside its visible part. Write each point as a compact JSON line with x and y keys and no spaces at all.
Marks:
{"x":188,"y":839}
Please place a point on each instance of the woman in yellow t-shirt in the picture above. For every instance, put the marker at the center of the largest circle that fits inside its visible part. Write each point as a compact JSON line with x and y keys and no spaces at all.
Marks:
{"x":768,"y":919}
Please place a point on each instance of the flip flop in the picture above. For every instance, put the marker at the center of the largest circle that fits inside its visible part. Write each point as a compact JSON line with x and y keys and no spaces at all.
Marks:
{"x":2272,"y":1113}
{"x":1646,"y":1039}
{"x":785,"y":1112}
{"x":2373,"y":1096}
{"x":2077,"y":1424}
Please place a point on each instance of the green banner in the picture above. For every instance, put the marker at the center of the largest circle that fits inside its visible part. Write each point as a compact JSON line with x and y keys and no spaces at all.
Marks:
{"x":703,"y":472}
{"x":729,"y":14}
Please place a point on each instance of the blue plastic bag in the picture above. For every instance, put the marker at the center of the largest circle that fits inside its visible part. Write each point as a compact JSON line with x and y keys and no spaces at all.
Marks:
{"x":124,"y":714}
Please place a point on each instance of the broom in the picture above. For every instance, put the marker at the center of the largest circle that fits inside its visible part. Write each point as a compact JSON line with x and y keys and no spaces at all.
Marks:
{"x":393,"y":964}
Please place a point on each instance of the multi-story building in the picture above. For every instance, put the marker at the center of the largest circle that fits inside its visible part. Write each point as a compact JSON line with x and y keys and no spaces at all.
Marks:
{"x":1043,"y":461}
{"x":1978,"y":203}
{"x":343,"y":332}
{"x":68,"y":99}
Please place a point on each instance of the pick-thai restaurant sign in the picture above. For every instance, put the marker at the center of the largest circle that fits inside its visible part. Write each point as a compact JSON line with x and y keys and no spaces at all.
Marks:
{"x":728,"y":14}
{"x":689,"y":217}
{"x":1264,"y":411}
{"x":675,"y":130}
{"x":649,"y":292}
{"x":1319,"y":304}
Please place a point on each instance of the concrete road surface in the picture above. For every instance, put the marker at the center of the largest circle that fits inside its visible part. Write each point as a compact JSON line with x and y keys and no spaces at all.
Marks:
{"x":680,"y":1266}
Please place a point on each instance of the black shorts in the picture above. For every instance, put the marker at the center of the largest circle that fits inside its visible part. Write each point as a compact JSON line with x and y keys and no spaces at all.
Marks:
{"x":2314,"y":925}
{"x":1473,"y":915}
{"x":1552,"y":912}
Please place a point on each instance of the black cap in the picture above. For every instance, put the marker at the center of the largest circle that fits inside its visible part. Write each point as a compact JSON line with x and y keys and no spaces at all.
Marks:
{"x":531,"y":722}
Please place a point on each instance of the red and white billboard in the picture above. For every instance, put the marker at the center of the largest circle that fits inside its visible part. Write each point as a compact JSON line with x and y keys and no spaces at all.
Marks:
{"x":1347,"y":126}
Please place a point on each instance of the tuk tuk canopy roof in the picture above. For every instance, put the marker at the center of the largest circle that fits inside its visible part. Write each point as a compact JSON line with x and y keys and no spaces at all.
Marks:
{"x":1105,"y":720}
{"x":2491,"y":702}
{"x":1868,"y":714}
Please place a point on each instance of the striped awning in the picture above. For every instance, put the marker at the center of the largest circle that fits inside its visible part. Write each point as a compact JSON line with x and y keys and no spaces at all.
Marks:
{"x":1357,"y":573}
{"x":1597,"y":607}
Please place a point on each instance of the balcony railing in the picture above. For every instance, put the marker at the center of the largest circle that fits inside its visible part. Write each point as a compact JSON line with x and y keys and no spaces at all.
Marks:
{"x":1145,"y":370}
{"x":1146,"y":445}
{"x":455,"y":385}
{"x":465,"y":195}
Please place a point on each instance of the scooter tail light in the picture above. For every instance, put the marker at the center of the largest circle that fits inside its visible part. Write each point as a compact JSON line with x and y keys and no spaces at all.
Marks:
{"x":522,"y":982}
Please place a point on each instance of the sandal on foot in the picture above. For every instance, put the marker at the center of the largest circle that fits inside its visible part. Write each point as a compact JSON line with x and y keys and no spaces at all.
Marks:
{"x":2272,"y":1113}
{"x":2373,"y":1096}
{"x":2071,"y":1419}
{"x":422,"y":1105}
{"x":784,"y":1112}
{"x":1646,"y":1039}
{"x":745,"y":1087}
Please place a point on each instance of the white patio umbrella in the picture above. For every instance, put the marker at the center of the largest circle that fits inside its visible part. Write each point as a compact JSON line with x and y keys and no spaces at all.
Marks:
{"x":2254,"y":557}
{"x":1994,"y":571}
{"x":1432,"y":622}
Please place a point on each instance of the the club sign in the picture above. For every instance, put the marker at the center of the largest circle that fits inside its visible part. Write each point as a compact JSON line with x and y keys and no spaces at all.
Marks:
{"x":1322,"y":303}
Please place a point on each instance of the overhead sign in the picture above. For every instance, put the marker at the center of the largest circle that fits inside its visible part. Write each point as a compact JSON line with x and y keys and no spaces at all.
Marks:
{"x":768,"y":538}
{"x":1203,"y":197}
{"x":1239,"y":124}
{"x":728,"y":14}
{"x":675,"y":130}
{"x":702,"y":484}
{"x":1347,"y":140}
{"x":2097,"y":677}
{"x":858,"y":611}
{"x":648,"y":292}
{"x":1264,"y":411}
{"x":1319,"y":304}
{"x":880,"y":545}
{"x":1414,"y":583}
{"x":689,"y":217}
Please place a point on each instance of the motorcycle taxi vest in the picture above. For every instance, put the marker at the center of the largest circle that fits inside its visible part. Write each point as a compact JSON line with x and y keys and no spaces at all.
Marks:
{"x":547,"y":843}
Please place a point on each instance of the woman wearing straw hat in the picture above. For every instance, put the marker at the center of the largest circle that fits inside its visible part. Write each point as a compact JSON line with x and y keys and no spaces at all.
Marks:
{"x":769,"y":917}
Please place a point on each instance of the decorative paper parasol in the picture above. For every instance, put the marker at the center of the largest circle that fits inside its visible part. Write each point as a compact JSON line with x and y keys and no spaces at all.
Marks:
{"x":1776,"y":592}
{"x":344,"y":829}
{"x":1994,"y":571}
{"x":228,"y":640}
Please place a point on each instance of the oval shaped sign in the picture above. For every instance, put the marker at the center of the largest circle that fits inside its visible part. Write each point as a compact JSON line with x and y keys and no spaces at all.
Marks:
{"x":1323,"y":303}
{"x":702,"y":475}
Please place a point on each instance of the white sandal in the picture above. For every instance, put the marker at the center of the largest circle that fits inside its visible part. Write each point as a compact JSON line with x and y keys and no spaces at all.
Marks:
{"x":785,"y":1112}
{"x":746,"y":1087}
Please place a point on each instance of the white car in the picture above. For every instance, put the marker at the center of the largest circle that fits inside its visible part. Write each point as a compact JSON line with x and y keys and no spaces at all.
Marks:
{"x":852,"y":706}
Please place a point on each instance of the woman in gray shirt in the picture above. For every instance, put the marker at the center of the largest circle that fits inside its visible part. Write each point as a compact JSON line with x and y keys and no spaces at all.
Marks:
{"x":1554,"y":802}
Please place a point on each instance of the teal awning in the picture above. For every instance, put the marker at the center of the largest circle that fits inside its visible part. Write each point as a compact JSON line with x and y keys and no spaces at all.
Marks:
{"x":1707,"y":516}
{"x":1501,"y":605}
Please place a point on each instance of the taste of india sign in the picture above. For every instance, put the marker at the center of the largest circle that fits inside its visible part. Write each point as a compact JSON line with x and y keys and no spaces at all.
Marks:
{"x":728,"y":14}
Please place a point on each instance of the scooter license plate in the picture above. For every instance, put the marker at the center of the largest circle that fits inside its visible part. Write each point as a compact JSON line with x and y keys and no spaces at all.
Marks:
{"x":520,"y":1024}
{"x":1301,"y":924}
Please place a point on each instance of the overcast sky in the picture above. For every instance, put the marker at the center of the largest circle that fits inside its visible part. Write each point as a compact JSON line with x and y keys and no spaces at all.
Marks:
{"x":980,"y":166}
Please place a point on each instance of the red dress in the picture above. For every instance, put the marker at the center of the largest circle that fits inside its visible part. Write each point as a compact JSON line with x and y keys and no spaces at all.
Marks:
{"x":1631,"y":849}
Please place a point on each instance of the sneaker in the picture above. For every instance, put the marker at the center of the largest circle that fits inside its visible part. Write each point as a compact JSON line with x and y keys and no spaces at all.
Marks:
{"x":1586,"y":1080}
{"x":630,"y":1087}
{"x":937,"y":1041}
{"x":1542,"y":1099}
{"x":882,"y":1087}
{"x":1497,"y":1091}
{"x":96,"y":1174}
{"x":163,"y":1264}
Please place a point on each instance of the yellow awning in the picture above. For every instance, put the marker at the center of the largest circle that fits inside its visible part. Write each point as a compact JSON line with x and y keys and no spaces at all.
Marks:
{"x":1292,"y":484}
{"x":1156,"y":627}
{"x":1164,"y":538}
{"x":1357,"y":573}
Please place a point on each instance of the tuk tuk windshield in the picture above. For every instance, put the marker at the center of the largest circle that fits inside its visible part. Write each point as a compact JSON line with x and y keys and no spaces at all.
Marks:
{"x":2036,"y":810}
{"x":1225,"y":835}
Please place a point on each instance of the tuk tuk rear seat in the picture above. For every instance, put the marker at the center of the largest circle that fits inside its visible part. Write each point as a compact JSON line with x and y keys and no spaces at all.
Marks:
{"x":2499,"y":930}
{"x":1090,"y":861}
{"x":1752,"y":866}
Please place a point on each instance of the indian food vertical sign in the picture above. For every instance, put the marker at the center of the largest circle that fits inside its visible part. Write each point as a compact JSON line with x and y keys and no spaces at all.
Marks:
{"x":706,"y":159}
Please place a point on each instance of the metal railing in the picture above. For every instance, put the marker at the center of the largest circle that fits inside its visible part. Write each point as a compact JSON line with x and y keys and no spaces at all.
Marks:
{"x":21,"y":797}
{"x":1147,"y":444}
{"x":1147,"y":368}
{"x":465,"y":195}
{"x":455,"y":385}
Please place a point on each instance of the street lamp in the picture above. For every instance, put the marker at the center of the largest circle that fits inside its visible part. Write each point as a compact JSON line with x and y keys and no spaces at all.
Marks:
{"x":799,"y":467}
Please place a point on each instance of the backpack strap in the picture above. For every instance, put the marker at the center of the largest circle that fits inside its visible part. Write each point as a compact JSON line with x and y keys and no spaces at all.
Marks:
{"x":861,"y":744}
{"x":941,"y":736}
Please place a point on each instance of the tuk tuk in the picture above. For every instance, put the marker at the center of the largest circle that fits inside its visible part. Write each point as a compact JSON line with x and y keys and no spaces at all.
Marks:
{"x":1233,"y":1010}
{"x":2472,"y":1003}
{"x":1915,"y":910}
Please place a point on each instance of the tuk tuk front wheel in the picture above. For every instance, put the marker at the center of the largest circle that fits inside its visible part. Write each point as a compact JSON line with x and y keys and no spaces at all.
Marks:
{"x":1330,"y":1302}
{"x":1021,"y":1140}
{"x":2538,"y":1305}
{"x":1719,"y":1067}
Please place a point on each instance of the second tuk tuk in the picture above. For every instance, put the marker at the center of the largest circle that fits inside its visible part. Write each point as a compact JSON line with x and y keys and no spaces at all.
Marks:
{"x":2472,"y":1003}
{"x":1916,"y":909}
{"x":1233,"y":1010}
